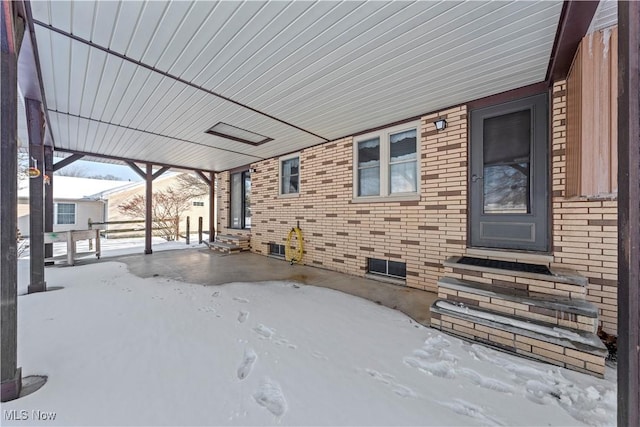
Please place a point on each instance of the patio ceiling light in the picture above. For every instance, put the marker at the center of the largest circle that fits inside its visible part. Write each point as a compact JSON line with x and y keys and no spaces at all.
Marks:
{"x":441,"y":124}
{"x":228,"y":131}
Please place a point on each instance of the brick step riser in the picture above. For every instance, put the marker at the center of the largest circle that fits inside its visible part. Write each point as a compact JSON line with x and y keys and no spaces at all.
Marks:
{"x":241,"y":244}
{"x":510,"y":279}
{"x":511,"y":308}
{"x":225,"y":250}
{"x":520,"y":344}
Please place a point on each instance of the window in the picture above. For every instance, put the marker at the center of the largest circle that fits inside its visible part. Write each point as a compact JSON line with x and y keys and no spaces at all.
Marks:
{"x":290,"y":175}
{"x":240,"y":208}
{"x":387,"y":268}
{"x":276,"y":249}
{"x":386,"y":163}
{"x":65,"y":213}
{"x":198,"y":203}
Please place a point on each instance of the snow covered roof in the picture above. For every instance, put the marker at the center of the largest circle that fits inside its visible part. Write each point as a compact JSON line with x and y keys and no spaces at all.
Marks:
{"x":69,"y":187}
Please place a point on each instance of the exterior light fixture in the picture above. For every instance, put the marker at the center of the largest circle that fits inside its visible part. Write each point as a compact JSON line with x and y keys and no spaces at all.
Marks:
{"x":441,"y":124}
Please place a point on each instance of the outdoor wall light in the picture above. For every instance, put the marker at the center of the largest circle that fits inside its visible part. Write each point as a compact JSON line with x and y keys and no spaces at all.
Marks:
{"x":441,"y":124}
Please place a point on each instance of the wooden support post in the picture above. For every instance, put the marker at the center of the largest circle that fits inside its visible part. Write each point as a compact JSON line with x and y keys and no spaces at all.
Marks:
{"x":11,"y":376}
{"x":212,"y":208}
{"x":35,"y":127}
{"x":48,"y":198}
{"x":148,"y":220}
{"x":199,"y":230}
{"x":188,"y":230}
{"x":628,"y":213}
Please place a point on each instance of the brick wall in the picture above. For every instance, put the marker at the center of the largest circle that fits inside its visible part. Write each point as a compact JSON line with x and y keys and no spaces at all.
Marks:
{"x":339,"y":234}
{"x":585,"y":234}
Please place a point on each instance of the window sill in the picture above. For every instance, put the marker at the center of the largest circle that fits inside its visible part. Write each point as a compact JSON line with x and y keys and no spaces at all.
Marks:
{"x":288,"y":196}
{"x":386,"y":199}
{"x":385,"y":279}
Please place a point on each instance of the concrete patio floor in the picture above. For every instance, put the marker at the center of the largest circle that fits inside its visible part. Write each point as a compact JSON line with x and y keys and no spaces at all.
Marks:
{"x":201,"y":266}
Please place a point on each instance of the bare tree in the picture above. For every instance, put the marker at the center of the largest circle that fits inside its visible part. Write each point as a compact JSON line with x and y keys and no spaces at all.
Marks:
{"x":74,"y":171}
{"x":193,"y":185}
{"x":167,"y":206}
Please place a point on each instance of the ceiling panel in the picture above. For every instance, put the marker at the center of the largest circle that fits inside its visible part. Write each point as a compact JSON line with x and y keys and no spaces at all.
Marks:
{"x":296,"y":72}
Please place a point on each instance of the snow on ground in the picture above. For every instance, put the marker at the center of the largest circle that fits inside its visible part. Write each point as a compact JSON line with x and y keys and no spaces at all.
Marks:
{"x":108,"y":248}
{"x":121,"y":350}
{"x":125,"y":246}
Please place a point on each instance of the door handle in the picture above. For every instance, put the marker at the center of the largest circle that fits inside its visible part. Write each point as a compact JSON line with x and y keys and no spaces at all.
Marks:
{"x":475,"y":177}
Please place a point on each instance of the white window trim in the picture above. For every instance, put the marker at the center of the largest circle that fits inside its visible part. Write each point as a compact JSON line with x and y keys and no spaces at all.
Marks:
{"x":385,"y":148}
{"x":75,"y":212}
{"x":282,"y":159}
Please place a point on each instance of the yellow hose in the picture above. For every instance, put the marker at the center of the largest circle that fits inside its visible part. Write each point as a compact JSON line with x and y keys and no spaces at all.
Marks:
{"x":297,"y":255}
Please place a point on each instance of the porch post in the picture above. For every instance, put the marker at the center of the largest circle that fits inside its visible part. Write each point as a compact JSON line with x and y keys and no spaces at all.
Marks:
{"x":48,"y":198}
{"x":628,"y":213}
{"x":212,"y":204}
{"x":35,"y":127}
{"x":148,"y":220}
{"x":11,"y":376}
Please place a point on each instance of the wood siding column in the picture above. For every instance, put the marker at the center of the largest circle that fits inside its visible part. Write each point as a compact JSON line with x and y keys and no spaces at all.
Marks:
{"x":35,"y":127}
{"x":629,"y":214}
{"x":11,"y":377}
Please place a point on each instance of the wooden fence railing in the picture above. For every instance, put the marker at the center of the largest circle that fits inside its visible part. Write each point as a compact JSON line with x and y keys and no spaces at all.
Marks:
{"x":105,"y":232}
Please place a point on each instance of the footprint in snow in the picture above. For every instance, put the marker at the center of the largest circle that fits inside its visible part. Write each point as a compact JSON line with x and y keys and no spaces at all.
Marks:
{"x":263,"y":331}
{"x":462,"y":407}
{"x":398,"y":389}
{"x":246,"y":365}
{"x":485,"y":382}
{"x":319,"y":355}
{"x":242,"y":300}
{"x":243,"y":316}
{"x":403,"y":391}
{"x":269,"y":395}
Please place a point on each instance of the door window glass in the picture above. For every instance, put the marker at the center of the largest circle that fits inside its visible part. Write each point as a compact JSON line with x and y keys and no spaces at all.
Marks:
{"x":507,"y":163}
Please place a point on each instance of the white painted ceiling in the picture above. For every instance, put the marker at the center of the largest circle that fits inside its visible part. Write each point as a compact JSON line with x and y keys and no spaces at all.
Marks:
{"x":298,"y":72}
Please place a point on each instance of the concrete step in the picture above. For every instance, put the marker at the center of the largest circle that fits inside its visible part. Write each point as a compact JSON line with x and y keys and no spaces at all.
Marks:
{"x":558,"y":310}
{"x":557,"y":281}
{"x":224,"y":248}
{"x":243,"y":242}
{"x":573,"y":349}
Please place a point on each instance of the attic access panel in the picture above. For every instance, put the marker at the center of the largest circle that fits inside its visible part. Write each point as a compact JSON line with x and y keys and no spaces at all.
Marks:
{"x":225,"y":130}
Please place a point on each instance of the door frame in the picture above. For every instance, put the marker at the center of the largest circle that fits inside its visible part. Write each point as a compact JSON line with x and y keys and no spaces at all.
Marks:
{"x":504,"y":99}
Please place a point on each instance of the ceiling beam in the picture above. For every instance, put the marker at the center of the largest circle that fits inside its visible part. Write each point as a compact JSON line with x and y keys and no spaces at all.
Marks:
{"x":156,"y":134}
{"x":136,"y":169}
{"x":203,"y":177}
{"x":122,"y":159}
{"x":575,"y":18}
{"x":66,"y":161}
{"x":171,"y":76}
{"x":160,"y":171}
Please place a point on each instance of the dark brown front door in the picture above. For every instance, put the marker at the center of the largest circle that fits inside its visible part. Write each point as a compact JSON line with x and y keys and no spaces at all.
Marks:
{"x":509,"y":175}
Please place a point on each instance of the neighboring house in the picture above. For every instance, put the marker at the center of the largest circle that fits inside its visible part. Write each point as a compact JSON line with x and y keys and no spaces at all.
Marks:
{"x":76,"y":200}
{"x":199,"y":206}
{"x":526,"y":177}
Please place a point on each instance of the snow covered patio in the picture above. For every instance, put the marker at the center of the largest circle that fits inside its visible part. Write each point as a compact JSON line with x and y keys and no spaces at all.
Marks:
{"x":135,"y":341}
